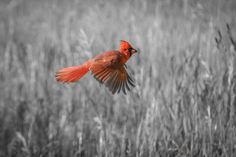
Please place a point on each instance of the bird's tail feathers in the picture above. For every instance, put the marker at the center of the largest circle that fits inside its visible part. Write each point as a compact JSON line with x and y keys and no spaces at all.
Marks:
{"x":71,"y":74}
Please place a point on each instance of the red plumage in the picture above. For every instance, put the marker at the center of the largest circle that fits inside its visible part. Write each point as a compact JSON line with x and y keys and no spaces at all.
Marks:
{"x":108,"y":68}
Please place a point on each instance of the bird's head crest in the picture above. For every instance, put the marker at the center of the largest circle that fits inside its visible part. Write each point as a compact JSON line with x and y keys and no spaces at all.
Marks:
{"x":126,"y":48}
{"x":124,"y":45}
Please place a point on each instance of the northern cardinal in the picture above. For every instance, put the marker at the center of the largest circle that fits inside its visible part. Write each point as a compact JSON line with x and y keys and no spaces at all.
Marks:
{"x":108,"y":68}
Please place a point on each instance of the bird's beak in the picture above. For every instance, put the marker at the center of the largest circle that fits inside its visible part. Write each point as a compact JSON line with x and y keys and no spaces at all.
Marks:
{"x":134,"y":51}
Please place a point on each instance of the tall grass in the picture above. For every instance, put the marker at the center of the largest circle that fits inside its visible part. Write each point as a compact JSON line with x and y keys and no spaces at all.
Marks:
{"x":184,"y":101}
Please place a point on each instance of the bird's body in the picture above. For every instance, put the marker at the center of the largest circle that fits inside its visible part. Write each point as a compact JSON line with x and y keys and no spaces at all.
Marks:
{"x":108,"y":68}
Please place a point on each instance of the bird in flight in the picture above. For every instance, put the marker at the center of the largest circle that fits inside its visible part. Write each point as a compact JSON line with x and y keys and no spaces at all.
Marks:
{"x":108,"y":68}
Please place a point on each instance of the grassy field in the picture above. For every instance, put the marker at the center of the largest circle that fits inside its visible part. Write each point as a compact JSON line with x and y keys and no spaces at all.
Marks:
{"x":184,"y":102}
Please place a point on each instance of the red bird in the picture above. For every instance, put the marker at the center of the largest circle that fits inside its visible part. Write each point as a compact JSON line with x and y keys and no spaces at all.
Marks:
{"x":108,"y":68}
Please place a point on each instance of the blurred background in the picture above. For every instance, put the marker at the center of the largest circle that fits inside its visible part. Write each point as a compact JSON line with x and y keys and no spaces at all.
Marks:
{"x":184,"y":100}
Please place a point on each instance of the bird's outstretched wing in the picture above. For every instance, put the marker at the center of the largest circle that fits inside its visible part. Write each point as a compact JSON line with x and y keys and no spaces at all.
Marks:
{"x":113,"y":75}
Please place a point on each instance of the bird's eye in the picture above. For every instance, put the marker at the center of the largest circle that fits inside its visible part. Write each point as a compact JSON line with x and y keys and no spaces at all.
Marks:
{"x":130,"y":49}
